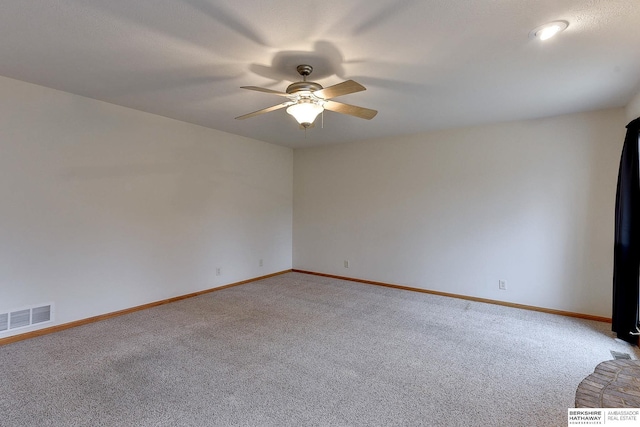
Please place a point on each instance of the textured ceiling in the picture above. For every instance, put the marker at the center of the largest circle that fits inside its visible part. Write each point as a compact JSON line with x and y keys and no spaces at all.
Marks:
{"x":427,"y":64}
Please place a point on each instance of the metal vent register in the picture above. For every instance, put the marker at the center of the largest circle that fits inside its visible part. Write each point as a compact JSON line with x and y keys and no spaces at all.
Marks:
{"x":24,"y":317}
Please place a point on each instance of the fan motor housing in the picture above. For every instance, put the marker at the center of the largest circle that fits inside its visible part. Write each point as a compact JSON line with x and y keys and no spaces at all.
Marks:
{"x":303,"y":86}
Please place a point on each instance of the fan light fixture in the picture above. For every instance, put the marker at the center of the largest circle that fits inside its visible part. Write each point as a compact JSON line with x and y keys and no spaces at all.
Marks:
{"x":305,"y":111}
{"x":546,"y":31}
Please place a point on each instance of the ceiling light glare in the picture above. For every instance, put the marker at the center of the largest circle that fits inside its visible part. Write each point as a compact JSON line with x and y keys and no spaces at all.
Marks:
{"x":546,"y":31}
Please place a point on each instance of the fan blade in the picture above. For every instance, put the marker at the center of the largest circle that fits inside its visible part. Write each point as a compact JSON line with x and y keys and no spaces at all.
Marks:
{"x":264,"y":110}
{"x":264,"y":89}
{"x":352,"y":110}
{"x":340,"y":89}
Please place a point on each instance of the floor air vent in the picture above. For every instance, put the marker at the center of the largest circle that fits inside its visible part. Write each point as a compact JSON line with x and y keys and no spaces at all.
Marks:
{"x":40,"y":314}
{"x":25,"y":317}
{"x":4,"y":321}
{"x":19,"y":319}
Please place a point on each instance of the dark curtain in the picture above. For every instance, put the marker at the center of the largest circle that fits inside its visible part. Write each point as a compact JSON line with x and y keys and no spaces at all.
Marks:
{"x":626,"y":256}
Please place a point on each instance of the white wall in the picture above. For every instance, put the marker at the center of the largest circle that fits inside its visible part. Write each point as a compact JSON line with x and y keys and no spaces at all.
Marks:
{"x":531,"y":202}
{"x":105,"y":208}
{"x":633,"y":108}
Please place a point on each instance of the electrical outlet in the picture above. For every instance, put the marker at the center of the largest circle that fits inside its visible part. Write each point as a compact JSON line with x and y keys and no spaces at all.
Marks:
{"x":346,"y":263}
{"x":218,"y":271}
{"x":261,"y":263}
{"x":502,"y":285}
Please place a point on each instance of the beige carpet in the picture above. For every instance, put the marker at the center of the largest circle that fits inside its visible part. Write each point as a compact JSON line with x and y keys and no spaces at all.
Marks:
{"x":302,"y":350}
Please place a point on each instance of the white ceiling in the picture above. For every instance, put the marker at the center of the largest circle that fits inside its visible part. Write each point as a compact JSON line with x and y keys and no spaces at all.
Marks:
{"x":427,"y":64}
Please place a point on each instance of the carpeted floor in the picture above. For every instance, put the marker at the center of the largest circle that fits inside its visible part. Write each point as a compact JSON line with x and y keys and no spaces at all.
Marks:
{"x":302,"y":350}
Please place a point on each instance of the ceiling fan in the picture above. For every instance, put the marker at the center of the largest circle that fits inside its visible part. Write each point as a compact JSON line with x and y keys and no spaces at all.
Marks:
{"x":308,"y":99}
